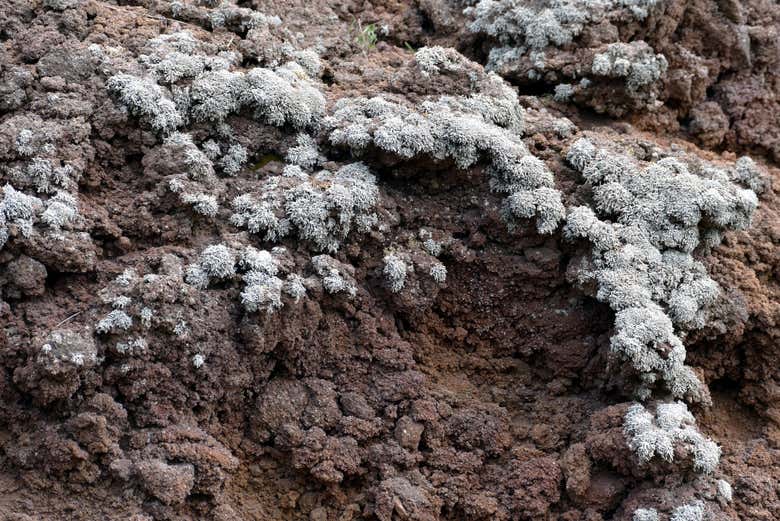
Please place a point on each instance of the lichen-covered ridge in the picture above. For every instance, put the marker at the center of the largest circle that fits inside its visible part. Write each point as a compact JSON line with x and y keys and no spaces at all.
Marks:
{"x":313,"y":262}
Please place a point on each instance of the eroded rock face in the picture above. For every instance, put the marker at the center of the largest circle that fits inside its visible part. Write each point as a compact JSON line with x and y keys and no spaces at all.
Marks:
{"x":319,"y":262}
{"x":171,"y":484}
{"x":710,"y":51}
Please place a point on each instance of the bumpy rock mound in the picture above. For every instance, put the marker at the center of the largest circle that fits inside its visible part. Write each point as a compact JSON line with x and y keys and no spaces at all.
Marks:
{"x":264,"y":261}
{"x":706,"y":67}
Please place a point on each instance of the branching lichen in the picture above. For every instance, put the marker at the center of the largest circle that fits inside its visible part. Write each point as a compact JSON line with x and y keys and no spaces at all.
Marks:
{"x":116,"y":320}
{"x":263,"y":289}
{"x":439,"y":273}
{"x":435,"y":59}
{"x":538,"y":25}
{"x":537,"y":42}
{"x":203,"y":204}
{"x":305,"y":153}
{"x":724,"y":490}
{"x":61,"y":210}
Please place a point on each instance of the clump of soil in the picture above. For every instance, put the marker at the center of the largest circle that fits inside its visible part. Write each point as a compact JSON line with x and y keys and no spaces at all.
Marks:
{"x":129,"y":392}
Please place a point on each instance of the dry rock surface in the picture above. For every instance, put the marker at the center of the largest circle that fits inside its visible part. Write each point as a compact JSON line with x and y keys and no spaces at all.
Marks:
{"x":394,"y":260}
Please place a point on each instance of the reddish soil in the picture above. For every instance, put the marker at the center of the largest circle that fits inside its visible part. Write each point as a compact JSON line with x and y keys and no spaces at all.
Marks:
{"x":489,"y":397}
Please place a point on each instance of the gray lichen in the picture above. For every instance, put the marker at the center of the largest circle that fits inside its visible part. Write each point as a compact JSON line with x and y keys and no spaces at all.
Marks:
{"x":436,"y":59}
{"x":439,"y":273}
{"x":538,"y":25}
{"x":205,"y":89}
{"x":305,"y":153}
{"x":203,"y":204}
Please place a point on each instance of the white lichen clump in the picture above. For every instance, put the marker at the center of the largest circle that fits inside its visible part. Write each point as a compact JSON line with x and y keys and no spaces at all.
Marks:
{"x":563,"y":92}
{"x":747,"y":173}
{"x":44,"y":175}
{"x":646,"y":224}
{"x":179,"y":56}
{"x":285,"y":95}
{"x":233,"y":159}
{"x":19,"y":210}
{"x":259,"y":270}
{"x":146,"y":314}
{"x":147,"y":100}
{"x":135,"y":346}
{"x":263,"y":289}
{"x":673,"y":425}
{"x":395,"y":272}
{"x":431,"y":246}
{"x":724,"y":490}
{"x":691,"y":512}
{"x":530,"y":27}
{"x":645,"y":514}
{"x":181,"y":329}
{"x":198,"y":360}
{"x":336,"y":277}
{"x":439,"y":273}
{"x":61,"y":5}
{"x":635,"y":61}
{"x":322,"y":208}
{"x":435,"y":59}
{"x":121,"y":302}
{"x":215,"y":262}
{"x":294,"y":287}
{"x":196,"y":163}
{"x":203,"y":204}
{"x":116,"y":320}
{"x":305,"y":153}
{"x":61,"y":210}
{"x":523,"y":27}
{"x":240,"y":19}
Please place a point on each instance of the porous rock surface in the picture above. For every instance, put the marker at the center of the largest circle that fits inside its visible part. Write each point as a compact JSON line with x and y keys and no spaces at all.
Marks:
{"x":412,"y":348}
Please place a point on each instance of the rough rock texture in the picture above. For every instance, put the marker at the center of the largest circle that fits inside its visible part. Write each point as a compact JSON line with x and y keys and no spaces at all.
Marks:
{"x":721,"y":62}
{"x":173,"y":350}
